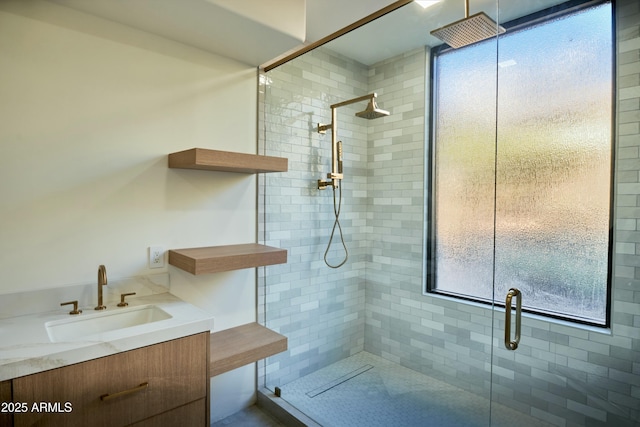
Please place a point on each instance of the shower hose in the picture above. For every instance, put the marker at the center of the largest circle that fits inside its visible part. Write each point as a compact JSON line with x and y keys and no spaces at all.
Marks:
{"x":336,"y":210}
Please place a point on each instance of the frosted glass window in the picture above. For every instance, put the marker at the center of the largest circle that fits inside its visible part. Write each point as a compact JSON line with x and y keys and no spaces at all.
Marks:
{"x":529,"y":170}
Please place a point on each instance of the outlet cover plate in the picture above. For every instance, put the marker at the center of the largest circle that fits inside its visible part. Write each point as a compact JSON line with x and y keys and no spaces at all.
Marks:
{"x":156,"y":257}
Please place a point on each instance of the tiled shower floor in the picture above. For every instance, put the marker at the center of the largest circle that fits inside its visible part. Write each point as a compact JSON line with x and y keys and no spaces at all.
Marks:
{"x":367,"y":390}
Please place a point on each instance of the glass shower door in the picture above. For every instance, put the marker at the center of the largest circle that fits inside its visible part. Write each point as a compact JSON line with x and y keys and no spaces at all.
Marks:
{"x":553,"y":216}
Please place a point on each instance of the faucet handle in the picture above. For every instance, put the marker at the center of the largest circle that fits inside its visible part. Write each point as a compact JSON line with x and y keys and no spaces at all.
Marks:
{"x":75,"y":307}
{"x":122,"y":303}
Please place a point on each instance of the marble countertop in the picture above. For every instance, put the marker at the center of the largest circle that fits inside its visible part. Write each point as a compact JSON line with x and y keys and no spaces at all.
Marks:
{"x":25,"y":346}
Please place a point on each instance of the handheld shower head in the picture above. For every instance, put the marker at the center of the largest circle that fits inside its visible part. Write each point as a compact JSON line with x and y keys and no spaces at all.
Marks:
{"x":372,"y":111}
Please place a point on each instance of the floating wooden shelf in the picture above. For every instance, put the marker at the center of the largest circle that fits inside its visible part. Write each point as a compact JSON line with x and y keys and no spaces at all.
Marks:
{"x":214,"y":160}
{"x":215,"y":259}
{"x":241,"y":345}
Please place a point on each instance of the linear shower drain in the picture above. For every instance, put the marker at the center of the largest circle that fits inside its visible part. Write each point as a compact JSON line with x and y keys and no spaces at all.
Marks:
{"x":338,"y":381}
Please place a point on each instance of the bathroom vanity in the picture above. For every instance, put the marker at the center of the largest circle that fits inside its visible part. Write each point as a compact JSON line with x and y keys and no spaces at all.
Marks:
{"x":143,"y":365}
{"x":158,"y":385}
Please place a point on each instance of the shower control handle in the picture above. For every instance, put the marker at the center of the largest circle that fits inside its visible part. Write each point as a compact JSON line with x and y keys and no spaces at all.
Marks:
{"x":322,"y":128}
{"x":508,"y":343}
{"x":340,"y":157}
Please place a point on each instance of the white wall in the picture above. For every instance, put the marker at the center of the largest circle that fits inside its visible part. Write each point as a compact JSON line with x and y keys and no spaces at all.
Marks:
{"x":90,"y":109}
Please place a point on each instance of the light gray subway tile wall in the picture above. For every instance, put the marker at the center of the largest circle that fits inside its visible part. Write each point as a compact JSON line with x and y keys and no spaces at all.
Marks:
{"x":398,"y":327}
{"x":567,"y":375}
{"x":320,"y":309}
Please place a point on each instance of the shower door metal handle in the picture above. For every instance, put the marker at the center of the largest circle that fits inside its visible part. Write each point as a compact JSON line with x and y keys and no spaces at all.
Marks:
{"x":512,"y":345}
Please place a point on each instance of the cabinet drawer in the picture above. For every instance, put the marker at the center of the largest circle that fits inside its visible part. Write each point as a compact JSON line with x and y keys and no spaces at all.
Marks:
{"x":108,"y":391}
{"x":191,"y":414}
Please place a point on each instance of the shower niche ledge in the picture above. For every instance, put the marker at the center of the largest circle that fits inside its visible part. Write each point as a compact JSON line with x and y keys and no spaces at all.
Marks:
{"x":215,"y":259}
{"x":226,"y":161}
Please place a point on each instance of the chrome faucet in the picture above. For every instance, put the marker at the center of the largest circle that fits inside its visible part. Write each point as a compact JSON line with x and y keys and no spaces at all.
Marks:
{"x":102,"y":281}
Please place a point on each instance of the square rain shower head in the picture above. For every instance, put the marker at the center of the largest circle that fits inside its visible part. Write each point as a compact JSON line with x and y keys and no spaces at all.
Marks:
{"x":469,"y":30}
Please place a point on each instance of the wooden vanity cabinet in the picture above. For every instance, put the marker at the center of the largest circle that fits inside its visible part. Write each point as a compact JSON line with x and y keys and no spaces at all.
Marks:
{"x":6,"y":417}
{"x":150,"y":386}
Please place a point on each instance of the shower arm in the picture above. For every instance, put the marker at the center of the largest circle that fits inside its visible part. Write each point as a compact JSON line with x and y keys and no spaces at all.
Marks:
{"x":354,"y":100}
{"x":336,"y":170}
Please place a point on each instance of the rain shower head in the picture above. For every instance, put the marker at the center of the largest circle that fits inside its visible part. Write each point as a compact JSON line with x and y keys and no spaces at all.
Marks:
{"x":469,"y":30}
{"x":372,"y":111}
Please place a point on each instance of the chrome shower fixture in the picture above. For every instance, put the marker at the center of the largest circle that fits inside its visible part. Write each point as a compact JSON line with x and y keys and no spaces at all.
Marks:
{"x":469,"y":30}
{"x":371,"y":112}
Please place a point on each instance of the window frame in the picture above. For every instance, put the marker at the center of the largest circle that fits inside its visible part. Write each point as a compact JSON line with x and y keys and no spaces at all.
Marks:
{"x":566,"y":8}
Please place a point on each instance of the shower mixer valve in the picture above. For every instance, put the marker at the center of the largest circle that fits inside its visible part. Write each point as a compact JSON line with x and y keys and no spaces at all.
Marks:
{"x":333,"y":180}
{"x":322,"y":185}
{"x":322,"y":128}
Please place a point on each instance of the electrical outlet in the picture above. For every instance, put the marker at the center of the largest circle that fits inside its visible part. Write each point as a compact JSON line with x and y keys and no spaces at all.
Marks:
{"x":156,"y":257}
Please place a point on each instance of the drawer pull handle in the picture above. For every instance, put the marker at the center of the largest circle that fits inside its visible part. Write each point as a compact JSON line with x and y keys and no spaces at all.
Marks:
{"x":136,"y":389}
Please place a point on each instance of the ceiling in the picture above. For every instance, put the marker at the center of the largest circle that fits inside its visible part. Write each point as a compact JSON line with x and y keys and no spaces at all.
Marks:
{"x":257,"y":31}
{"x":250,"y":31}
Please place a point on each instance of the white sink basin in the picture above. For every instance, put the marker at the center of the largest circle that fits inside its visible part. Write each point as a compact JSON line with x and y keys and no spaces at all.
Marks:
{"x":85,"y":325}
